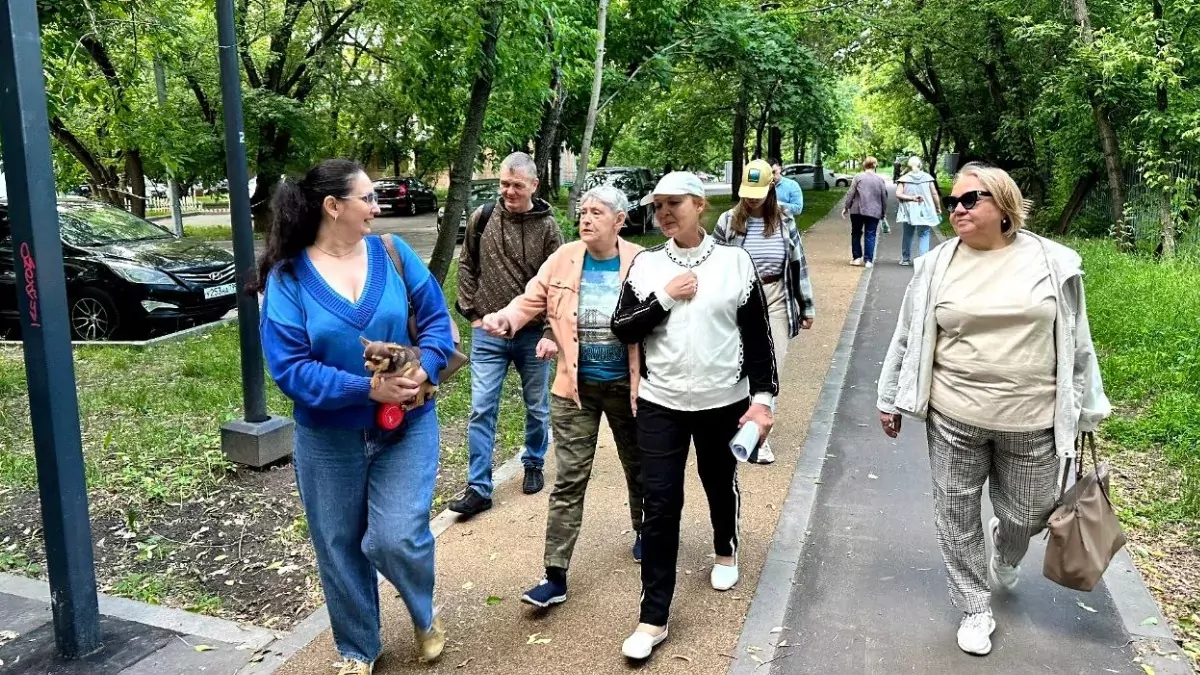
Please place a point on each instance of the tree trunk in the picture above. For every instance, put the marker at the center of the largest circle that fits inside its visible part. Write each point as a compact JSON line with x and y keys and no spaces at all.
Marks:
{"x":739,"y":141}
{"x":1108,"y":135}
{"x":468,"y":145}
{"x":104,"y":180}
{"x":803,"y":148}
{"x":774,"y":143}
{"x":556,"y":164}
{"x":590,"y":126}
{"x":606,"y":149}
{"x":758,"y":131}
{"x":551,"y":112}
{"x":135,"y":177}
{"x":795,"y":145}
{"x":1166,"y":217}
{"x":1071,"y":209}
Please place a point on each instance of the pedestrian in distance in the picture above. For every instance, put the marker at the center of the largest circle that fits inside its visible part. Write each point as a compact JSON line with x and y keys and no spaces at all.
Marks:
{"x":577,"y":287}
{"x":506,"y":243}
{"x":993,"y":352}
{"x":866,"y":202}
{"x":919,"y":211}
{"x":697,"y":312}
{"x":768,"y":232}
{"x":367,"y":491}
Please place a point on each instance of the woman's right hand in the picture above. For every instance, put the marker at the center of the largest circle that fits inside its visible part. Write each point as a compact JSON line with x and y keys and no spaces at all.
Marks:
{"x":682,"y":287}
{"x":496,"y":324}
{"x":392,"y":389}
{"x":891,"y":424}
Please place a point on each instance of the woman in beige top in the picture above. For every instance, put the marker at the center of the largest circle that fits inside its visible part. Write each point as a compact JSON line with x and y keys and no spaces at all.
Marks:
{"x":976,"y":354}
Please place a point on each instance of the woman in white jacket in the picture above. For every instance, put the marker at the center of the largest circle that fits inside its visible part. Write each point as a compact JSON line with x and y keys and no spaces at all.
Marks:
{"x":992,"y":349}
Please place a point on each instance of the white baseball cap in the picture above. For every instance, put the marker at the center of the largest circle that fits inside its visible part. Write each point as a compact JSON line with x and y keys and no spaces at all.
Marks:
{"x":676,"y":183}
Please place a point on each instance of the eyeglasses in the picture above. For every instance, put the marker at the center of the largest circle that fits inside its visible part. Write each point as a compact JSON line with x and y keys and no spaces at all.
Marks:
{"x":370,"y":198}
{"x":967,"y":199}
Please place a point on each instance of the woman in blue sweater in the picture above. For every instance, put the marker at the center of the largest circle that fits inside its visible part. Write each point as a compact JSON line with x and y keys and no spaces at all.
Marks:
{"x":366,"y":491}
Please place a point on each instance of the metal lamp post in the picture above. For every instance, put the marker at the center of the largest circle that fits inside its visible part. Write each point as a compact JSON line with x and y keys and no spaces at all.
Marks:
{"x":46,"y":333}
{"x":259,"y":438}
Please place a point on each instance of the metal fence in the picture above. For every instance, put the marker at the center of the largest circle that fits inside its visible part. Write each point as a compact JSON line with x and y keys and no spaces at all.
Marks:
{"x":1143,"y":211}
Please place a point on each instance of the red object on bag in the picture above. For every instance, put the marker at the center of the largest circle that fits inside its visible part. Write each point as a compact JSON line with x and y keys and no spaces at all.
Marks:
{"x":389,"y":416}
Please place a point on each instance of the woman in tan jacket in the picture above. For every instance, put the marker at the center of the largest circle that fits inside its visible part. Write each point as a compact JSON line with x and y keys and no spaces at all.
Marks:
{"x":577,"y":288}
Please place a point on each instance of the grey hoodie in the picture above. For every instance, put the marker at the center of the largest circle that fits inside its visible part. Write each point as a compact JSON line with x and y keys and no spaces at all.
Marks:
{"x":905,"y":379}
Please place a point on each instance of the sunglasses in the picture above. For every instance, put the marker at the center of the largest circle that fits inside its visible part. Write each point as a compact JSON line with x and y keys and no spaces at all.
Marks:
{"x":967,"y":199}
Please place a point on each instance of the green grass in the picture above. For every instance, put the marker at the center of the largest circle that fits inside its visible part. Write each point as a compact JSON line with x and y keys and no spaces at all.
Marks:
{"x":211,"y":232}
{"x":1143,"y":316}
{"x":151,"y":418}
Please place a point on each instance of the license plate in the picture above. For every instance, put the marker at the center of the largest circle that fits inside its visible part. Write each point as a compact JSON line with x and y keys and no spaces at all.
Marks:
{"x":220,"y":291}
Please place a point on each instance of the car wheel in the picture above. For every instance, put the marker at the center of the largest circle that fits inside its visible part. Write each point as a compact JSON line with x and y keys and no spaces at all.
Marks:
{"x":843,"y":183}
{"x":94,"y":316}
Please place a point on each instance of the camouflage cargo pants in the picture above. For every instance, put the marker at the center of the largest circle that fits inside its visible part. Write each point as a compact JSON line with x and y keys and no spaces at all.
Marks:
{"x":576,"y":431}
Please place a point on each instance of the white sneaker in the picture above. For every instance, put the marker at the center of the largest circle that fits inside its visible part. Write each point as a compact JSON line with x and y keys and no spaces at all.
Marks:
{"x":764,"y":455}
{"x":1000,"y":573}
{"x":870,"y":264}
{"x":857,"y":262}
{"x":975,"y":633}
{"x":906,"y":263}
{"x":724,"y":577}
{"x":640,"y":644}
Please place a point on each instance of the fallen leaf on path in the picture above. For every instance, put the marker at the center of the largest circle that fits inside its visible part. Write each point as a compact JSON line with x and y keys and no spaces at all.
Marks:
{"x":464,"y":663}
{"x":493,"y":600}
{"x":468,"y":586}
{"x":779,"y":629}
{"x":1150,"y":621}
{"x":1084,"y":607}
{"x":872,"y":476}
{"x":1148,"y":669}
{"x":202,"y":648}
{"x":681,"y":657}
{"x":783,"y":643}
{"x":536,"y":640}
{"x":493,"y":557}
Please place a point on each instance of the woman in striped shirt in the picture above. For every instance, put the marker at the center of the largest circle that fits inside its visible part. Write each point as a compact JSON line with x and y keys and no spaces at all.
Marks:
{"x":768,"y":233}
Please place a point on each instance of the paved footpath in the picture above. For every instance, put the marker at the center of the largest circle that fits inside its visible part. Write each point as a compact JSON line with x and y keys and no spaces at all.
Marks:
{"x":499,"y":554}
{"x":870,"y":596}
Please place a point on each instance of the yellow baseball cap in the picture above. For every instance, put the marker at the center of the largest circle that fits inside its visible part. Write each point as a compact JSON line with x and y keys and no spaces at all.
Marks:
{"x":756,"y":180}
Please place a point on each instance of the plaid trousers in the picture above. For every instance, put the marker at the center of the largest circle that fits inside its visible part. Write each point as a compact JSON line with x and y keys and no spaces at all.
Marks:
{"x":1023,"y":472}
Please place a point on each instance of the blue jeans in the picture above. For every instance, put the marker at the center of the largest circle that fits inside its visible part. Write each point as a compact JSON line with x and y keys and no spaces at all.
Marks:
{"x":367,"y":496}
{"x":490,"y":357}
{"x":923,"y":233}
{"x":862,"y":233}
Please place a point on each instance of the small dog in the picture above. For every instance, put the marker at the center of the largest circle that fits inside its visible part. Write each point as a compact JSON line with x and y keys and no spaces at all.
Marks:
{"x":388,"y":358}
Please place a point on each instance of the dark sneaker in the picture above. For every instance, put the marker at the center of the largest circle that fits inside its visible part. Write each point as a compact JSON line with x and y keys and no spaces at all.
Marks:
{"x":637,"y":548}
{"x":470,"y":503}
{"x":534,"y":482}
{"x":545,"y":594}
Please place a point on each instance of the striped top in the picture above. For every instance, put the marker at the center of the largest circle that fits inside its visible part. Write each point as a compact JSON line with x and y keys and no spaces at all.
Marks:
{"x":770,"y":253}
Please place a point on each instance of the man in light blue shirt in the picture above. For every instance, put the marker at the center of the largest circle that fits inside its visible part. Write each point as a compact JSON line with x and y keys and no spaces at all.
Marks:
{"x":787,"y":191}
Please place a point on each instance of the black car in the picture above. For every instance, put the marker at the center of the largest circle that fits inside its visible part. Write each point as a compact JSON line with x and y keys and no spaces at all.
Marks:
{"x":405,"y":195}
{"x":482,"y":192}
{"x":636,"y":182}
{"x":126,"y":277}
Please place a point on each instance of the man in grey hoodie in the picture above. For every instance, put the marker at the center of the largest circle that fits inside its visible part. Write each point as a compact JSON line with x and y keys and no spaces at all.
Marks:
{"x":494,"y":267}
{"x":866,"y":202}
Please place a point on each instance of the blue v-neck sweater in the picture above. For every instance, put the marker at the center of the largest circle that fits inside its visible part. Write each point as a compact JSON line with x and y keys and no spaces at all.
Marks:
{"x":310,"y":334}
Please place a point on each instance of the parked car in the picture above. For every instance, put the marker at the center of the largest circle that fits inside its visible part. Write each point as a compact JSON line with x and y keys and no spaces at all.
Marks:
{"x":803,"y":174}
{"x":636,"y":182}
{"x":126,"y":277}
{"x":482,"y":192}
{"x":405,"y":195}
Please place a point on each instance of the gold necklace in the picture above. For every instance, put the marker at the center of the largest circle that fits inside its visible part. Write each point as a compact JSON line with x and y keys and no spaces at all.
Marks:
{"x":334,"y":255}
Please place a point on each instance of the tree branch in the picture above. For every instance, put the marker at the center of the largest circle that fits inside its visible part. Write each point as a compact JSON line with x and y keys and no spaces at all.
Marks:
{"x":655,"y":55}
{"x":201,"y":98}
{"x":326,"y":38}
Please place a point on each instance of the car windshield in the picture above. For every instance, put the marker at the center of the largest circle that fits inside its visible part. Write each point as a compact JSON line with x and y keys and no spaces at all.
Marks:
{"x":622,"y":180}
{"x":99,"y":224}
{"x":485,"y":191}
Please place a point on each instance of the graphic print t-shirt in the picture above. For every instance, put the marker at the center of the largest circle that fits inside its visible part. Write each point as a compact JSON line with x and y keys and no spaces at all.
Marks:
{"x":602,"y":358}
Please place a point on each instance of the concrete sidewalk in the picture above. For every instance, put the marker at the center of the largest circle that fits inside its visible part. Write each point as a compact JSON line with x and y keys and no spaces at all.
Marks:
{"x":869,"y":594}
{"x":138,"y":639}
{"x":484,"y":564}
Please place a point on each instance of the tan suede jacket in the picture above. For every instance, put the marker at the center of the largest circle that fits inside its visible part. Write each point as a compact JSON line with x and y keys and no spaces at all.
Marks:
{"x":555,"y":291}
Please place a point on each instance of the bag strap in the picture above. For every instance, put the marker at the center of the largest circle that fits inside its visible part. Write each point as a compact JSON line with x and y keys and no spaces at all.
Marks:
{"x":390,"y":245}
{"x":477,"y":234}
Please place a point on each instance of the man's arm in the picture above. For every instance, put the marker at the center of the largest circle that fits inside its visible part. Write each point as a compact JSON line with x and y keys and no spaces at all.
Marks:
{"x":468,"y":282}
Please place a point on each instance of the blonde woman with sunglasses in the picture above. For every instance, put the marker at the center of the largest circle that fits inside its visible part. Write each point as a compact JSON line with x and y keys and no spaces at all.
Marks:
{"x":992,"y":351}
